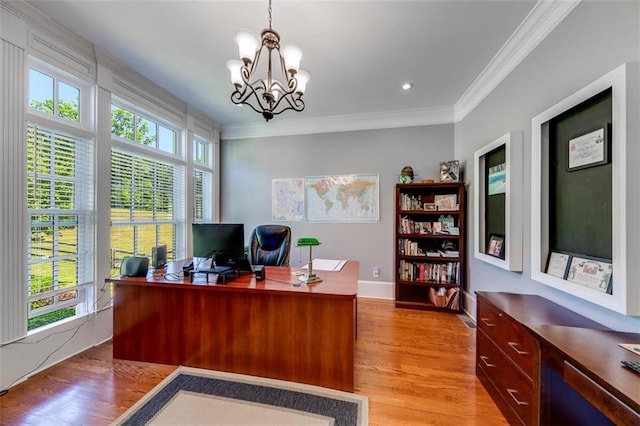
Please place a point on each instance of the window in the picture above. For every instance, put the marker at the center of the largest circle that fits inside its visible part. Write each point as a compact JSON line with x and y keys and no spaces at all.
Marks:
{"x":60,"y":207}
{"x":202,"y":205}
{"x":133,"y":127}
{"x":202,"y":181}
{"x":144,"y":195}
{"x":53,"y":96}
{"x":200,"y":152}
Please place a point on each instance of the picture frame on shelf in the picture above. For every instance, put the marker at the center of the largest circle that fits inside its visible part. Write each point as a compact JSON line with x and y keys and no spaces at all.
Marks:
{"x":591,"y":272}
{"x":495,"y":246}
{"x":450,"y":171}
{"x":429,"y":206}
{"x":588,"y":150}
{"x":558,"y":264}
{"x":446,"y":201}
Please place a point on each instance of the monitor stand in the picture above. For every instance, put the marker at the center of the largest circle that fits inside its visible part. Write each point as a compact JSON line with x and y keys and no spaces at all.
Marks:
{"x":221,"y":273}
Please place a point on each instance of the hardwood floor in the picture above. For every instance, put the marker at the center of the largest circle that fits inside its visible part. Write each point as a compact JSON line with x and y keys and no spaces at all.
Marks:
{"x":415,"y":367}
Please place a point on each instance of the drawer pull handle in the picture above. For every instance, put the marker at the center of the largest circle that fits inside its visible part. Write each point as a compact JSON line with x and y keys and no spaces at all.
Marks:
{"x":485,"y":361}
{"x":513,"y":393}
{"x":487,"y":322}
{"x":514,"y":346}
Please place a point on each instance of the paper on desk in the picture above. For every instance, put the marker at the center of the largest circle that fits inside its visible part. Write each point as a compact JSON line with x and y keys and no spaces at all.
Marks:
{"x":326,"y":265}
{"x":633,"y":347}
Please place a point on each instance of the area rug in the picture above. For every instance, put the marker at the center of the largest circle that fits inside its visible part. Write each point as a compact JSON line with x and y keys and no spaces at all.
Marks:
{"x":193,"y":396}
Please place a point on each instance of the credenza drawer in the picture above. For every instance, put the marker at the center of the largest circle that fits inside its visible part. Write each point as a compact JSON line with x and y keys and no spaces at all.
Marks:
{"x":514,"y":387}
{"x":516,"y":342}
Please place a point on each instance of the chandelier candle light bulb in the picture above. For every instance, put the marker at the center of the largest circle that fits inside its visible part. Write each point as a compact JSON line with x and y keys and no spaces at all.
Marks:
{"x":285,"y":83}
{"x":247,"y":45}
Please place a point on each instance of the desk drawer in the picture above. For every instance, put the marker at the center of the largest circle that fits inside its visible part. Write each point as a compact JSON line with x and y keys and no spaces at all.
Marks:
{"x":516,"y":342}
{"x":515,"y":388}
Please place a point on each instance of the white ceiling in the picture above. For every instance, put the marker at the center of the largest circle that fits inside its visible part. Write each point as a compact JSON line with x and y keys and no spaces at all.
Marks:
{"x":358,"y":52}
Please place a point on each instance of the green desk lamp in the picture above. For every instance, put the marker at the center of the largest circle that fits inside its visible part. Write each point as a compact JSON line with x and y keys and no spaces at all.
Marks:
{"x":309,"y":277}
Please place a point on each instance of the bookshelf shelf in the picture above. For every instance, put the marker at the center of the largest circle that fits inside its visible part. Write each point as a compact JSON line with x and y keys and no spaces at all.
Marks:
{"x":430,"y":245}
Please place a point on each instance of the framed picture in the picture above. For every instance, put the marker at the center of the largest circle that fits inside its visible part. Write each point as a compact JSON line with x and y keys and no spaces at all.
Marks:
{"x":450,"y":171}
{"x":588,"y":150}
{"x":436,"y":227}
{"x":446,"y":201}
{"x":591,"y":272}
{"x":429,"y":206}
{"x":495,"y":246}
{"x":497,"y":179}
{"x":558,"y":264}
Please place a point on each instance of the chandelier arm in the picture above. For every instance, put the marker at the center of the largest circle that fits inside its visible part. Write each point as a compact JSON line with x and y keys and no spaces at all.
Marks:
{"x":287,"y":109}
{"x":287,"y":102}
{"x":249,"y":92}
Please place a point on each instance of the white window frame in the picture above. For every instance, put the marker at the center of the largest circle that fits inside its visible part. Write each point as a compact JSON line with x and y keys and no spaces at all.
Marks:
{"x":206,"y":169}
{"x":82,"y":132}
{"x":153,"y":153}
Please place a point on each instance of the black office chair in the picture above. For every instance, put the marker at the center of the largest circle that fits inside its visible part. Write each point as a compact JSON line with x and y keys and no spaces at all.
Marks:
{"x":270,"y":245}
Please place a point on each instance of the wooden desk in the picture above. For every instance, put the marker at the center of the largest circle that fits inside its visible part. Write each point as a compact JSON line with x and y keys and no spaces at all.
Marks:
{"x":265,"y":328}
{"x":544,"y":364}
{"x":589,"y":362}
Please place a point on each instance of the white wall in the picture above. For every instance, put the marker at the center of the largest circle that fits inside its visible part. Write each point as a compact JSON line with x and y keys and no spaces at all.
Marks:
{"x":248,"y":165}
{"x":594,"y":39}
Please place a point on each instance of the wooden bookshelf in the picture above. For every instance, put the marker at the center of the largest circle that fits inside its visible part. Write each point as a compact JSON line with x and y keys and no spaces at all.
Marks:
{"x":430,"y":245}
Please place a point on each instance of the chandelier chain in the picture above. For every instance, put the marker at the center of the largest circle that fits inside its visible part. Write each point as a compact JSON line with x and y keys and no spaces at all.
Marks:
{"x":269,"y":14}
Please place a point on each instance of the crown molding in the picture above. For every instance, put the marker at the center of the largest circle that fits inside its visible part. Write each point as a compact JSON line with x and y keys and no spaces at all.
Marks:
{"x":541,"y":20}
{"x":341,"y":123}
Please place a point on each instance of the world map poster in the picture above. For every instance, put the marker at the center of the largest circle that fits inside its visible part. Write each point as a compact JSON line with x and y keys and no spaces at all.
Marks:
{"x":287,"y":199}
{"x":343,"y":198}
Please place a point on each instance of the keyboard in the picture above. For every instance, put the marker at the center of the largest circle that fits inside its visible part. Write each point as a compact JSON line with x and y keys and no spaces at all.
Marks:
{"x":633,"y":365}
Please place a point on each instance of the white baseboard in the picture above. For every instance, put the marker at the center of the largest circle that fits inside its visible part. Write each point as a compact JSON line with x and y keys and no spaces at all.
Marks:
{"x":470,"y":305}
{"x":376,"y":289}
{"x":386,"y":290}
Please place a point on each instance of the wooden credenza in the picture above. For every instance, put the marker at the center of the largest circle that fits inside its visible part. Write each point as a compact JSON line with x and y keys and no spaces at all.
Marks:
{"x":522,"y":362}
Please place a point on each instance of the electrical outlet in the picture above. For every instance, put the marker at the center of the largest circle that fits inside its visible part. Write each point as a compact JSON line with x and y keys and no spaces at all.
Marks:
{"x":376,"y":272}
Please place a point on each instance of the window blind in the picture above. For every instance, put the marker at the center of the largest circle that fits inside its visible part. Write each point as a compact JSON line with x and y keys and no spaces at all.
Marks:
{"x":60,"y":206}
{"x":144,"y":204}
{"x":202,"y":196}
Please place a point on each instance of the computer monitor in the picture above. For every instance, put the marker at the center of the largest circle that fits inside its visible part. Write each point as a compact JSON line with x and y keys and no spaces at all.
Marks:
{"x":222,"y":241}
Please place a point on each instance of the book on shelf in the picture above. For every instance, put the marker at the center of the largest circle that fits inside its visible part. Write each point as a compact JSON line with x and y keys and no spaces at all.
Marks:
{"x":443,"y":273}
{"x":409,"y":248}
{"x":450,"y":253}
{"x":445,"y":297}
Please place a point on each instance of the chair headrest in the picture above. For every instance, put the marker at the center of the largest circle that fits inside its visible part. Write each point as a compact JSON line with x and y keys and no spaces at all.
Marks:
{"x":271,"y":237}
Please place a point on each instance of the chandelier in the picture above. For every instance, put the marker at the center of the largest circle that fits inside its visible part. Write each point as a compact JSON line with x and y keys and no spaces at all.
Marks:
{"x":269,"y":85}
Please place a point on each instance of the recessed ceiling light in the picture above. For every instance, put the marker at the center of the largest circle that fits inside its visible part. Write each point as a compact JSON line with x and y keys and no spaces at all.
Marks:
{"x":407,"y":86}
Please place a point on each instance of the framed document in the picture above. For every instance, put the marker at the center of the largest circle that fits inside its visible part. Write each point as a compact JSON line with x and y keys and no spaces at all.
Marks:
{"x":591,"y":272}
{"x":588,"y":150}
{"x":558,"y":264}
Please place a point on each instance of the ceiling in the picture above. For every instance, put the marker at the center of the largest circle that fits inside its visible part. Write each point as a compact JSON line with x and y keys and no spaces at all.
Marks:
{"x":357,"y":52}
